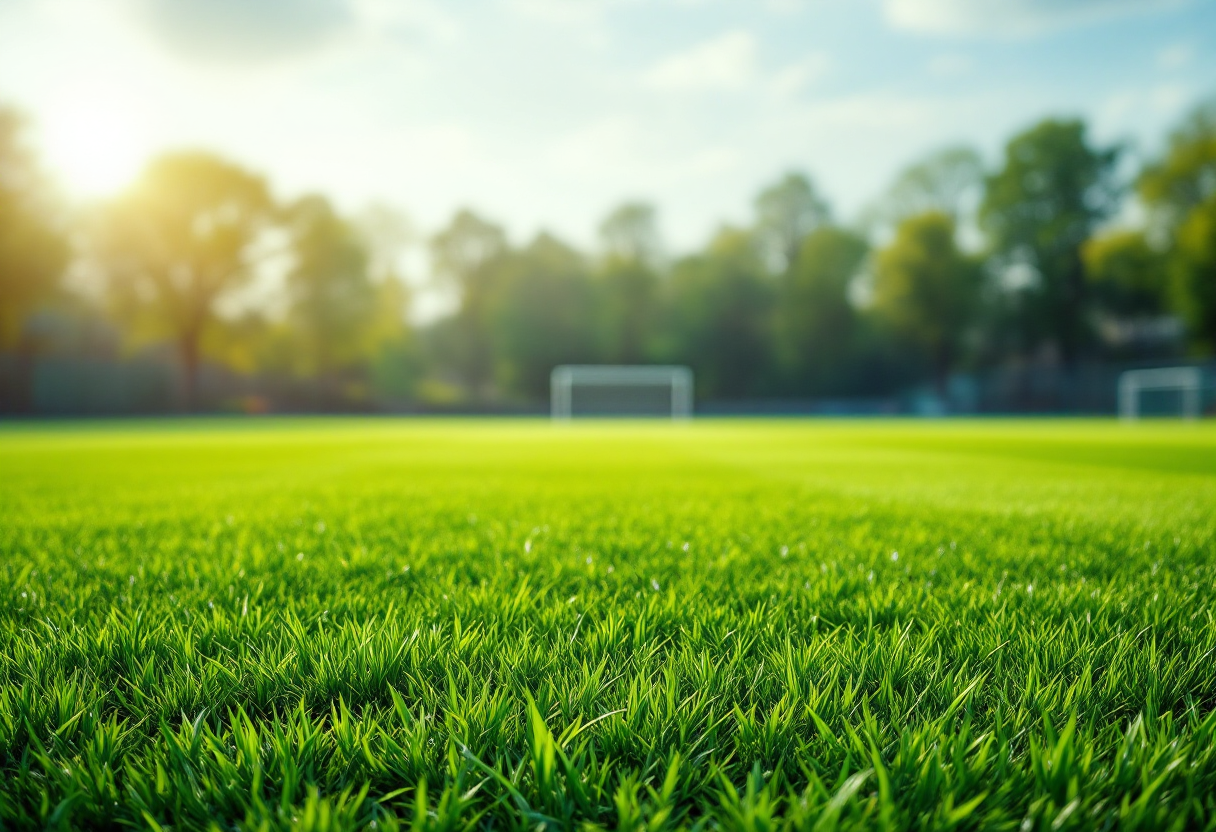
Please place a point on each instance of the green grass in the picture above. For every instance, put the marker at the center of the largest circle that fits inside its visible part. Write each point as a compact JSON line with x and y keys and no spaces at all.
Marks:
{"x":739,"y":625}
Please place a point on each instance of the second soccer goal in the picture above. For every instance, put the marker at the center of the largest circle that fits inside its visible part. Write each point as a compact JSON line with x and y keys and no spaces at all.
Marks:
{"x":620,"y":390}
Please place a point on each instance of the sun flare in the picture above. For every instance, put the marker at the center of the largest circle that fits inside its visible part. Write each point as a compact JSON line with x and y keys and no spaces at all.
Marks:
{"x":94,"y":142}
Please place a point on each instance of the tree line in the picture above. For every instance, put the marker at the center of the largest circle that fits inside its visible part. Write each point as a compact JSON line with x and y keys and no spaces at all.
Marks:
{"x":1065,"y":251}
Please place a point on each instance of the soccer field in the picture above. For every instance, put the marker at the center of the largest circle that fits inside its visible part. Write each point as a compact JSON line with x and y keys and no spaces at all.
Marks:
{"x":744,"y":624}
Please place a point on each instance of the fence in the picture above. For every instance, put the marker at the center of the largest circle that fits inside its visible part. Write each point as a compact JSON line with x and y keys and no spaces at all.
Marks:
{"x":150,"y":384}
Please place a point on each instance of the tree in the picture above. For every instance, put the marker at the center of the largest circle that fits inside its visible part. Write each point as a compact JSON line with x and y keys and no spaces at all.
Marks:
{"x":1126,"y":273}
{"x":944,"y":181}
{"x":1195,"y":273}
{"x":1180,"y":192}
{"x":787,"y":211}
{"x":397,"y":361}
{"x":331,"y":295}
{"x":467,"y":255}
{"x":33,"y":246}
{"x":628,"y":281}
{"x":631,"y":234}
{"x":926,"y":289}
{"x":1185,"y":177}
{"x":467,"y":244}
{"x":1038,"y":210}
{"x":720,"y":317}
{"x":177,"y":243}
{"x":815,"y":318}
{"x":387,"y":234}
{"x":542,"y":315}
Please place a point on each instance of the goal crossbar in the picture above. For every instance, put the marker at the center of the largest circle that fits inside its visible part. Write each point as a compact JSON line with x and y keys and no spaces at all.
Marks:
{"x":566,"y":377}
{"x":1188,"y":380}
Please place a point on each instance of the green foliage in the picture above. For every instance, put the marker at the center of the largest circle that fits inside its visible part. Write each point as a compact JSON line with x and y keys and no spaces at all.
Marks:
{"x":720,"y":316}
{"x":398,"y":365}
{"x":1195,"y":272}
{"x":1185,"y":177}
{"x":1127,"y":273}
{"x":464,"y":247}
{"x":541,"y":308}
{"x":926,"y":289}
{"x":751,"y":625}
{"x":628,"y":297}
{"x":786,"y":212}
{"x":33,"y":246}
{"x":816,"y":322}
{"x":1039,"y":209}
{"x":631,"y":234}
{"x":1180,"y":190}
{"x":467,"y":255}
{"x":176,"y":243}
{"x":332,"y":297}
{"x":628,"y":283}
{"x":944,"y":181}
{"x":759,"y":311}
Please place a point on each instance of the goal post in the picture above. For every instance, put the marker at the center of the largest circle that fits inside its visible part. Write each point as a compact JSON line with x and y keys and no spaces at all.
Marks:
{"x":1187,"y":380}
{"x":620,"y":390}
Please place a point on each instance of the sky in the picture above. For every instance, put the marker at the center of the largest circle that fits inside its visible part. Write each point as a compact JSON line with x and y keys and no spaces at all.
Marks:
{"x":545,"y":114}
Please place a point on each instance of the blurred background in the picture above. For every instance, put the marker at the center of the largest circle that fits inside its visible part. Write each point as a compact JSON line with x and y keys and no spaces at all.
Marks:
{"x":875,"y":206}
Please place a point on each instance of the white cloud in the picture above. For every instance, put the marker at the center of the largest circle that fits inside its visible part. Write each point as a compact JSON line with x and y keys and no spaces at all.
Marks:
{"x":1170,"y":97}
{"x":949,"y":66}
{"x":447,"y":146}
{"x":260,"y":31}
{"x":1005,"y":17}
{"x":1124,"y":110}
{"x":606,"y":142}
{"x":1176,"y":56}
{"x":246,"y":29}
{"x":881,"y":111}
{"x":559,"y":12}
{"x":623,"y":148}
{"x":511,"y":106}
{"x":707,"y":162}
{"x":727,"y":62}
{"x":785,"y":7}
{"x":791,"y":80}
{"x":584,"y":22}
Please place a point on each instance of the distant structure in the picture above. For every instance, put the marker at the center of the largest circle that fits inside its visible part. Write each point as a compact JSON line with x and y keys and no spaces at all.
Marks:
{"x":620,"y":390}
{"x":1187,"y":380}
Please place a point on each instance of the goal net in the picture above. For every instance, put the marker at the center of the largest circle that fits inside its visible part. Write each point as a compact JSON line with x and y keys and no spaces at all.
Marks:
{"x":616,"y":390}
{"x":1185,"y":382}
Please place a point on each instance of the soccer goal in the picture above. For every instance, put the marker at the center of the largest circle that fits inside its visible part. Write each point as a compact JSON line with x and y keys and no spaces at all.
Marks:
{"x":616,"y":390}
{"x":1187,"y":380}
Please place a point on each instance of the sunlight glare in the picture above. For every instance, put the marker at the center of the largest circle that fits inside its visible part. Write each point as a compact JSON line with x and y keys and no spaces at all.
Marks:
{"x":94,"y":142}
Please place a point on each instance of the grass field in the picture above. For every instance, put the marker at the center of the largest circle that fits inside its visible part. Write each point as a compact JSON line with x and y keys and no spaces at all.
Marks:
{"x":743,"y":625}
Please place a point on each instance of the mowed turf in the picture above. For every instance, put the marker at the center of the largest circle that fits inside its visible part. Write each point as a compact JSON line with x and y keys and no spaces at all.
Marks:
{"x":509,"y":624}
